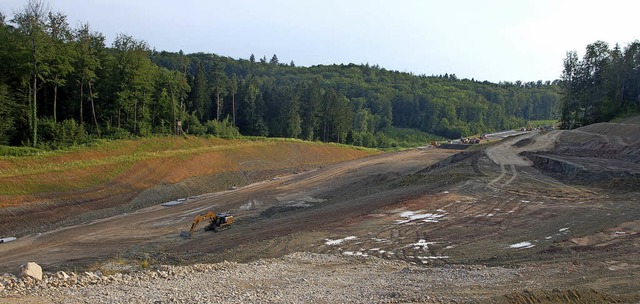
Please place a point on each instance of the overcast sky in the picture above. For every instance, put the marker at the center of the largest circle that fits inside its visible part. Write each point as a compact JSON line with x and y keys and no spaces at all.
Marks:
{"x":486,"y":40}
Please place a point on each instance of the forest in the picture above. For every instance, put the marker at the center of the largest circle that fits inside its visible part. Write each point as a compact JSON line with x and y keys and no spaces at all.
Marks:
{"x":63,"y":86}
{"x":604,"y":85}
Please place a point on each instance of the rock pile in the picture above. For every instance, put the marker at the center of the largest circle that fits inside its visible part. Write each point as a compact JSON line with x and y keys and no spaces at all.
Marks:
{"x":32,"y":279}
{"x":298,"y":277}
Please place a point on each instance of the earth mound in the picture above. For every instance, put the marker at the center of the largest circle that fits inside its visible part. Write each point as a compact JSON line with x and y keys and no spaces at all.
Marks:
{"x":603,"y":154}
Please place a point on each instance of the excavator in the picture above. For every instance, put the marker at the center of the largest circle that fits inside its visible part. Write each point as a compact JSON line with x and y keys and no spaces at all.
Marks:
{"x":217,"y":222}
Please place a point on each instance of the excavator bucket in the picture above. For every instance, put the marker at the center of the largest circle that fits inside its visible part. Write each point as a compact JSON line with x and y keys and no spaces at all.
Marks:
{"x":185,"y":234}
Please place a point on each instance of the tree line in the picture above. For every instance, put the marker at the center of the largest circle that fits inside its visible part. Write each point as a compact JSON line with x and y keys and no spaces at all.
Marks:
{"x":61,"y":86}
{"x":603,"y":85}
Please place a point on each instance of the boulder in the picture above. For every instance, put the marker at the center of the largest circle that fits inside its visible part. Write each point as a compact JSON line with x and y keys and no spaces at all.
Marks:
{"x":31,"y":270}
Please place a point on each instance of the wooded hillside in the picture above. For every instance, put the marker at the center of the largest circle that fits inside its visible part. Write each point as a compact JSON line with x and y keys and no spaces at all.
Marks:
{"x":603,"y":85}
{"x":61,"y":86}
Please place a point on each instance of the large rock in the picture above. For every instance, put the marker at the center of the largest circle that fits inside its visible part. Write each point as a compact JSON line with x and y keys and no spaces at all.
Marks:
{"x":32,"y":270}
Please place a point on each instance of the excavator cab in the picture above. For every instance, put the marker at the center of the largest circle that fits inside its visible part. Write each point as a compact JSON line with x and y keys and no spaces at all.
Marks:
{"x":221,"y":222}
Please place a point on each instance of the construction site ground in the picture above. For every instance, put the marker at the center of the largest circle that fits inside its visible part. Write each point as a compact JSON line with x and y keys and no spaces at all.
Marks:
{"x":536,"y":228}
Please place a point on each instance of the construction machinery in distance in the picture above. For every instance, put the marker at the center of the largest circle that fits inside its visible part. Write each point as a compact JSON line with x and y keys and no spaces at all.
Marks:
{"x":217,"y":222}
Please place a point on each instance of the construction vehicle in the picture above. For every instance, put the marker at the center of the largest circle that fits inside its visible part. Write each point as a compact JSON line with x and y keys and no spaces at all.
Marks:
{"x":217,"y":222}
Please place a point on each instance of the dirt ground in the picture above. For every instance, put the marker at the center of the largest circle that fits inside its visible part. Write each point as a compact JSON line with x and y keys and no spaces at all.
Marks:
{"x":258,"y":207}
{"x":488,"y":207}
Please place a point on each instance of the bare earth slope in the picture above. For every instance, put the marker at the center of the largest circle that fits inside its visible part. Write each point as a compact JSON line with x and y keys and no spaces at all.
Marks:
{"x":488,"y":225}
{"x":59,"y":189}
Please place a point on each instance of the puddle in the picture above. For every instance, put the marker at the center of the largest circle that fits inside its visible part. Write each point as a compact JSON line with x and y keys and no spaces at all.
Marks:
{"x":356,"y":253}
{"x":339,"y":241}
{"x":411,"y":216}
{"x":435,"y":257}
{"x":422,"y":244}
{"x":521,"y":245}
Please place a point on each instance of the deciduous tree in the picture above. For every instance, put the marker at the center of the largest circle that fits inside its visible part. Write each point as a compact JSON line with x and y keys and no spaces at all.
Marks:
{"x":31,"y":22}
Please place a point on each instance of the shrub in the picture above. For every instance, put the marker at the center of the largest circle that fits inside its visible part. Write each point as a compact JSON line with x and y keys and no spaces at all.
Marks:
{"x":116,"y":133}
{"x":193,"y":126}
{"x":223,"y":128}
{"x":67,"y":133}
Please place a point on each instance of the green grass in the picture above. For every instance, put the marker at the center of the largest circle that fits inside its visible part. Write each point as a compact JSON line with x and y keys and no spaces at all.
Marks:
{"x":408,"y":138}
{"x":19,"y":151}
{"x":26,"y":171}
{"x":540,"y":123}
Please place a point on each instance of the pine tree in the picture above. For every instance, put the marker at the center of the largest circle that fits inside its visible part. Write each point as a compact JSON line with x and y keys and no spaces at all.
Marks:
{"x":274,"y":60}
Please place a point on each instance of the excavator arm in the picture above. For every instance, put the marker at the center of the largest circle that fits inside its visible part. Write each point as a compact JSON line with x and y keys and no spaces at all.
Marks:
{"x":199,"y":218}
{"x":216,"y":222}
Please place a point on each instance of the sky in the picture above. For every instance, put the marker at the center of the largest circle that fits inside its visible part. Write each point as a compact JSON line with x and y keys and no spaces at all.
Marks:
{"x":494,"y":40}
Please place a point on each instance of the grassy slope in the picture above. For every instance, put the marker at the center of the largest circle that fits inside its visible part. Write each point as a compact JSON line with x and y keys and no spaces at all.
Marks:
{"x":175,"y":158}
{"x":147,"y":162}
{"x":48,"y":190}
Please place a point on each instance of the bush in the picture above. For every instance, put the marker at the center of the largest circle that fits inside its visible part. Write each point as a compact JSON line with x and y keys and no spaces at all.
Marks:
{"x":54,"y":135}
{"x":164,"y":128}
{"x":116,"y":133}
{"x":401,"y":137}
{"x":384,"y":141}
{"x":223,"y":128}
{"x":193,"y":126}
{"x":362,"y":139}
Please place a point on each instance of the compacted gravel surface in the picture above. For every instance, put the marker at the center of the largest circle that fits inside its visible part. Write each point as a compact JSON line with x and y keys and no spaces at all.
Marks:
{"x":298,"y":277}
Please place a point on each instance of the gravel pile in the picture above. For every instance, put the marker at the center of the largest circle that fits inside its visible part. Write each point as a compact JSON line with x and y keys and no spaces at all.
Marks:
{"x":295,"y":278}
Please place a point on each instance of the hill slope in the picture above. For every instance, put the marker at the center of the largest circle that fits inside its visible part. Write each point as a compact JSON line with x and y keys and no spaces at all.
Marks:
{"x":122,"y":176}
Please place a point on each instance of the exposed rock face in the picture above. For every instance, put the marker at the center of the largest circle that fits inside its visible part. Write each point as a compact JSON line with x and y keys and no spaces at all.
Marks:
{"x":32,"y":270}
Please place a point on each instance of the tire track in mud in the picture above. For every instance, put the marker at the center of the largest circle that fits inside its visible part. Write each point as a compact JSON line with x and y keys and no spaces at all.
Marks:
{"x":413,"y":240}
{"x":513,"y":177}
{"x":510,"y":209}
{"x":503,"y":172}
{"x":492,"y":183}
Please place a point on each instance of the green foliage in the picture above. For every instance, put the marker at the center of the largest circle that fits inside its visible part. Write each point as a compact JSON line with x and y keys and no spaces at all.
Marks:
{"x":116,"y":133}
{"x":18,"y":151}
{"x":401,"y":137}
{"x":542,"y":123}
{"x":54,"y":135}
{"x":224,"y":128}
{"x":193,"y":125}
{"x":361,"y":139}
{"x":384,"y":142}
{"x":8,"y":109}
{"x":603,"y":85}
{"x":128,"y":89}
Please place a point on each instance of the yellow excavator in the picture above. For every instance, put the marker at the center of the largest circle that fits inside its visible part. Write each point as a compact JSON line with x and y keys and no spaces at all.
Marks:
{"x":217,"y":222}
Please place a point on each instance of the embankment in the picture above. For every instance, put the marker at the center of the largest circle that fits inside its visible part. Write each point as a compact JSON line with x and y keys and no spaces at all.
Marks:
{"x":66,"y":188}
